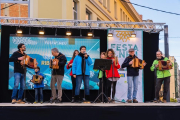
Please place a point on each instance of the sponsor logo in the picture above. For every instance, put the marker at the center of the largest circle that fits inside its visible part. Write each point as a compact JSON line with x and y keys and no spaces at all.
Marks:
{"x":122,"y":74}
{"x":124,"y":35}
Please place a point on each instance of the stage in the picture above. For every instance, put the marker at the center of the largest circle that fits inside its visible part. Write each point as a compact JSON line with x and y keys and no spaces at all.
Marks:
{"x":117,"y":104}
{"x":93,"y":111}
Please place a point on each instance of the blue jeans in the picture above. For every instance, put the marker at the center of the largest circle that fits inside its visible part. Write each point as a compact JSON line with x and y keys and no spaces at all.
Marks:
{"x":40,"y":91}
{"x":18,"y":78}
{"x":79,"y":79}
{"x":132,"y":80}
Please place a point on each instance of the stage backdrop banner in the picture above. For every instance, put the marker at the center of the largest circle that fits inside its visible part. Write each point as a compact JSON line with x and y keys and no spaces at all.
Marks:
{"x":121,"y":42}
{"x":39,"y":47}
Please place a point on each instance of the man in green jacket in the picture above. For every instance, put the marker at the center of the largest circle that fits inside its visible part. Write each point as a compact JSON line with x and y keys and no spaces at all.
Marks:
{"x":162,"y":76}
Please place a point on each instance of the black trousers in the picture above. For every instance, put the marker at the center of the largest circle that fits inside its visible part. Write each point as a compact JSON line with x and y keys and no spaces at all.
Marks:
{"x":73,"y":85}
{"x":158,"y":87}
{"x":109,"y":83}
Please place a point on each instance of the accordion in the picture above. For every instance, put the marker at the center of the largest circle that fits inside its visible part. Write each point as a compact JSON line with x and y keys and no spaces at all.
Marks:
{"x":138,"y":63}
{"x":164,"y":65}
{"x":29,"y":62}
{"x":54,"y":66}
{"x":37,"y":79}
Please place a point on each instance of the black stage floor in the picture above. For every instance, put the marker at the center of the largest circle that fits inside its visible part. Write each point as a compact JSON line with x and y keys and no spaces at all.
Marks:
{"x":93,"y":111}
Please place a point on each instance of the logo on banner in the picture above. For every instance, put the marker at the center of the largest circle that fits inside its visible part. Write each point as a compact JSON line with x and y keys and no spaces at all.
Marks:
{"x":122,"y":74}
{"x":124,"y":35}
{"x":25,"y":40}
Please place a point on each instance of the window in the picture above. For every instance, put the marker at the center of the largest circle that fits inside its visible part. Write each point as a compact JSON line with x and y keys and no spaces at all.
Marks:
{"x":105,"y":3}
{"x":108,"y":5}
{"x":88,"y":15}
{"x":100,"y":1}
{"x":121,"y":15}
{"x":115,"y":9}
{"x":75,"y":9}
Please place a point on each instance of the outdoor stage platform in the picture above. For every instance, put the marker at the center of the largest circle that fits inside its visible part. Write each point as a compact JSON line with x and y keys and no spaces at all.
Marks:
{"x":93,"y":111}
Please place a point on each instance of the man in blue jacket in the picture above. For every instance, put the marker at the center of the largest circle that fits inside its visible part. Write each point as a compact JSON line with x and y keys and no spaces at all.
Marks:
{"x":81,"y":69}
{"x":38,"y":87}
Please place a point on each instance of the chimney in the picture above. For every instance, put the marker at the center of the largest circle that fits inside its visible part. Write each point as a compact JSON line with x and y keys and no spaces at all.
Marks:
{"x":141,"y":16}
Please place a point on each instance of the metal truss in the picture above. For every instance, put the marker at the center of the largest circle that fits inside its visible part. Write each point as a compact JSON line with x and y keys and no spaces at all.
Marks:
{"x":81,"y":24}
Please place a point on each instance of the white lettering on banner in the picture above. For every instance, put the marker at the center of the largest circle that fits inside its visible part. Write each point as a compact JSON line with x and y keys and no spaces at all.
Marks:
{"x":121,"y":42}
{"x":55,"y":43}
{"x":25,"y":40}
{"x":46,"y":57}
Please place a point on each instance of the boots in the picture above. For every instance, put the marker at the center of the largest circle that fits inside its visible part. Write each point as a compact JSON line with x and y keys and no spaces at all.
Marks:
{"x":86,"y":99}
{"x":73,"y":100}
{"x":77,"y":99}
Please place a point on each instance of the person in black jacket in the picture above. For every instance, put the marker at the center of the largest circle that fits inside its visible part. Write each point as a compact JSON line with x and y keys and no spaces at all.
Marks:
{"x":17,"y":57}
{"x":132,"y":76}
{"x":57,"y":75}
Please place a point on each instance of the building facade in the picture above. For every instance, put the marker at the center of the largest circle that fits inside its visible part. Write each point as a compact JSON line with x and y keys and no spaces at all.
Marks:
{"x":174,"y":81}
{"x":102,"y":10}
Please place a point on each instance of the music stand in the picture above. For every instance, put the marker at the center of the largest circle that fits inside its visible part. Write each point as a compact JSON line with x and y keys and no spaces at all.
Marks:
{"x":102,"y":64}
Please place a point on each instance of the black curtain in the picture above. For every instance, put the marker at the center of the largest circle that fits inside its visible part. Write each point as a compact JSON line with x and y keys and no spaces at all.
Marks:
{"x":150,"y":46}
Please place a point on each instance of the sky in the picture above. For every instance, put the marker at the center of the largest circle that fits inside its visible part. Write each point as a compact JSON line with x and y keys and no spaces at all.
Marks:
{"x":173,"y":21}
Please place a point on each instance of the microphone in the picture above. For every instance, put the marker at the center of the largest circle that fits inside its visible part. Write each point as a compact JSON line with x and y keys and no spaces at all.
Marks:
{"x":84,"y":52}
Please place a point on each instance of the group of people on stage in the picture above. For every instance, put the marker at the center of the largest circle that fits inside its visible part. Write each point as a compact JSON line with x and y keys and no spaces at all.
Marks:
{"x":79,"y":65}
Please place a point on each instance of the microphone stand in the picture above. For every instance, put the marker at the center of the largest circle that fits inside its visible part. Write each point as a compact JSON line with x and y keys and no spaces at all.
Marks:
{"x":84,"y":99}
{"x":112,"y":85}
{"x":155,"y":80}
{"x":51,"y":99}
{"x":25,"y":99}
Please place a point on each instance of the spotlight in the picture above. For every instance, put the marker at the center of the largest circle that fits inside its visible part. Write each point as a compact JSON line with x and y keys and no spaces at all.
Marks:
{"x":110,"y":34}
{"x":41,"y":32}
{"x":133,"y":35}
{"x":19,"y":31}
{"x":90,"y":34}
{"x":68,"y":33}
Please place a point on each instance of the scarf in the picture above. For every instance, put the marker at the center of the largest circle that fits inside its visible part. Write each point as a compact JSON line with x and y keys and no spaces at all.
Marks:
{"x":83,"y":64}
